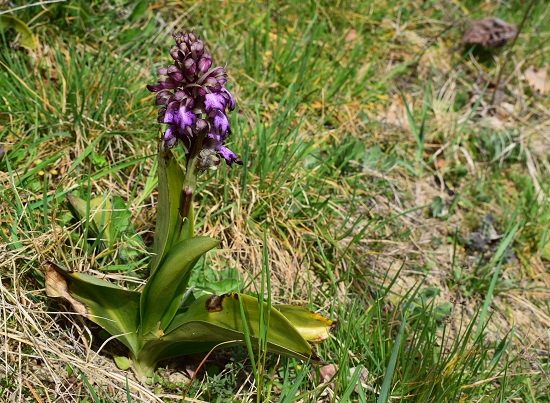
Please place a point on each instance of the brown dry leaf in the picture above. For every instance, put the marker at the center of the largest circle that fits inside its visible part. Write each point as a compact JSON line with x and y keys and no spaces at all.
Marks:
{"x":56,"y":287}
{"x":327,"y":372}
{"x":489,"y":32}
{"x":363,"y":377}
{"x":538,"y":79}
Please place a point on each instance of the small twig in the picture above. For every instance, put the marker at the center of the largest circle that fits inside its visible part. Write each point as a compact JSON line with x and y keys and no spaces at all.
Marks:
{"x":202,"y":363}
{"x":32,"y":391}
{"x":505,"y":58}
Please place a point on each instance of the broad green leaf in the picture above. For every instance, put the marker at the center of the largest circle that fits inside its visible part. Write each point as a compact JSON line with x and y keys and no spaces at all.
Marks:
{"x":217,"y":319}
{"x":27,"y":38}
{"x":113,"y":308}
{"x":156,"y":350}
{"x":210,"y":281}
{"x":312,"y":326}
{"x":163,"y":292}
{"x":169,"y":198}
{"x":152,"y":352}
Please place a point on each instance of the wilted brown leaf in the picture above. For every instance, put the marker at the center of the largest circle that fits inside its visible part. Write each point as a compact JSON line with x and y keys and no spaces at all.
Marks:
{"x":538,"y":79}
{"x":327,"y":372}
{"x":56,"y":287}
{"x":363,"y":377}
{"x":489,"y":32}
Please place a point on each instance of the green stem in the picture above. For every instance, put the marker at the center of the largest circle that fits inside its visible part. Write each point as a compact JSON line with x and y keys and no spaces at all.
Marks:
{"x":189,"y":187}
{"x":144,"y":365}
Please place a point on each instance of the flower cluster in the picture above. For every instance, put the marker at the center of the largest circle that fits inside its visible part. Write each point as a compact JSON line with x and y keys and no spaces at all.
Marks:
{"x":193,"y":102}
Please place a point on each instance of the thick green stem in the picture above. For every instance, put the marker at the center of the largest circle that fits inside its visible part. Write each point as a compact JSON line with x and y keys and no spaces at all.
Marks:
{"x":189,"y":186}
{"x":145,"y":362}
{"x":144,"y":365}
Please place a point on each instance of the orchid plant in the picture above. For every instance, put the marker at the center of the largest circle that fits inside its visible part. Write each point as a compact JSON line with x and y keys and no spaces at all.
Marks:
{"x":165,"y":319}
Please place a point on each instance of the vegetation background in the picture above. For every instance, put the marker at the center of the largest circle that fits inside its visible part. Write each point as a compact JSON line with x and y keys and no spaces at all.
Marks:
{"x":380,"y":187}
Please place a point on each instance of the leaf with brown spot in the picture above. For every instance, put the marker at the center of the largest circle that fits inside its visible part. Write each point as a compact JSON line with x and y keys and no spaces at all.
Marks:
{"x":56,"y":287}
{"x":219,"y":320}
{"x":113,"y":308}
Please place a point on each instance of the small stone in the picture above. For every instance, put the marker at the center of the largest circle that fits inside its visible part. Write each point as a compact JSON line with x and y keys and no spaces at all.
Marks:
{"x":178,"y":378}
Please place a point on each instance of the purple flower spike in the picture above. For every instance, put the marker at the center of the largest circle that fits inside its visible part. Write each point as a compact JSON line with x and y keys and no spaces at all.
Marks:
{"x":193,"y":102}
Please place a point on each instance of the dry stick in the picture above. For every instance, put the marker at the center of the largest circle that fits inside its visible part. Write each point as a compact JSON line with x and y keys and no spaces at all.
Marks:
{"x":32,"y":391}
{"x":505,"y":61}
{"x":202,"y":363}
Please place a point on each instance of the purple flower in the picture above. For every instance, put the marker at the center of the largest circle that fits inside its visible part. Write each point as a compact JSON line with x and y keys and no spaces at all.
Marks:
{"x":193,"y":102}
